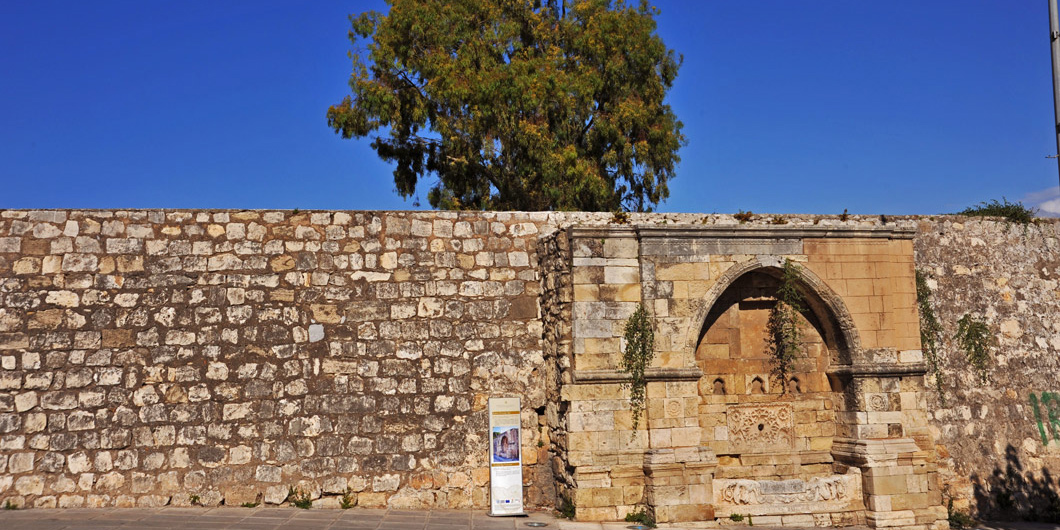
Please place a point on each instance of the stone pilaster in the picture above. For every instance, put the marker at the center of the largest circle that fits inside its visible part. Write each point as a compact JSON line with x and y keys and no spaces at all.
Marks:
{"x":678,"y":484}
{"x":887,"y":442}
{"x":899,"y":480}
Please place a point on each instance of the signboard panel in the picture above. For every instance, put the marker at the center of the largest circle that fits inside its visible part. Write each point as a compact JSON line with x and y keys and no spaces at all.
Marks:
{"x":505,"y":457}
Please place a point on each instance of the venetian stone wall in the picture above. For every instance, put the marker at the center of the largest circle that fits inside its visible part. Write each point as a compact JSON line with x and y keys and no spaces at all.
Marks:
{"x":999,"y":441}
{"x":154,"y":357}
{"x":170,"y":357}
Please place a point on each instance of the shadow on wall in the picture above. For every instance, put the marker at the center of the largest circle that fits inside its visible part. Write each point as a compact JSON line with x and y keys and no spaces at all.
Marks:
{"x":1012,"y":494}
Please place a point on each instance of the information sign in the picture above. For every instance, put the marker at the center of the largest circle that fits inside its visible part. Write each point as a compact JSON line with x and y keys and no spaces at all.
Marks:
{"x":505,"y":457}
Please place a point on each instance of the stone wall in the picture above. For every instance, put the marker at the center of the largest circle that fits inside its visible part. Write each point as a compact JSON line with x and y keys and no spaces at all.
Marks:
{"x":843,"y":439}
{"x":154,"y":357}
{"x":999,"y":440}
{"x":166,"y":357}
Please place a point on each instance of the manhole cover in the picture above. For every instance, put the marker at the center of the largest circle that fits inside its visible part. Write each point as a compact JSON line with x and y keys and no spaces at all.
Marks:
{"x":536,"y":524}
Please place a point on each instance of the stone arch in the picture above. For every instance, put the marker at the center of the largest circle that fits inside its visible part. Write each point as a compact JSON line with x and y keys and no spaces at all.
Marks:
{"x":822,"y":301}
{"x":767,"y":428}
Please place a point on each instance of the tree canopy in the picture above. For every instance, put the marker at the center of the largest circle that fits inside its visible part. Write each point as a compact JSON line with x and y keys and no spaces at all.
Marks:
{"x":516,"y":104}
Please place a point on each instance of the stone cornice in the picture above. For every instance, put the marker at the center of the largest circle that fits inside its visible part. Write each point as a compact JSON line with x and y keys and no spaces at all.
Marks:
{"x":651,"y":374}
{"x":742,"y":232}
{"x":880,"y":369}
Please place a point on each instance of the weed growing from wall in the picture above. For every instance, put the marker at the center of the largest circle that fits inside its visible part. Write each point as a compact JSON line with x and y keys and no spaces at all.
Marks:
{"x":642,"y":517}
{"x":1014,"y":212}
{"x":958,"y":520}
{"x":299,"y":499}
{"x":974,"y":337}
{"x":743,"y":216}
{"x":930,"y":330}
{"x":784,"y":336}
{"x":636,"y":357}
{"x":567,"y":508}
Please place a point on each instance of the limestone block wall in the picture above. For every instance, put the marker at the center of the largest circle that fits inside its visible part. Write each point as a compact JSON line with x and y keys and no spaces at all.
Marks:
{"x":872,"y":372}
{"x":153,"y":357}
{"x":999,"y":440}
{"x":174,"y":357}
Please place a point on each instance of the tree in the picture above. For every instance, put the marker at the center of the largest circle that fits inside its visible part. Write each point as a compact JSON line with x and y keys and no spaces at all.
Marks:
{"x":517,"y":104}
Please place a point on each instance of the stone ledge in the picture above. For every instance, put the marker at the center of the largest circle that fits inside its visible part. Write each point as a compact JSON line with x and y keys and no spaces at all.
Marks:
{"x":742,"y":231}
{"x":879,"y":369}
{"x":651,"y":374}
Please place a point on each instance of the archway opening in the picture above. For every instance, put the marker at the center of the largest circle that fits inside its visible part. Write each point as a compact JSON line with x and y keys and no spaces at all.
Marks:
{"x":762,"y":427}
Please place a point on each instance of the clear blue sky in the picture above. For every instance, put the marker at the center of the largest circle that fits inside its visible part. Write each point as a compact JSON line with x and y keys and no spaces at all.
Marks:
{"x":793,"y":106}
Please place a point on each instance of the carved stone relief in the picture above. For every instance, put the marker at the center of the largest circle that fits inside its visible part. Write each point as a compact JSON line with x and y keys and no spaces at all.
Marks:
{"x":758,"y":428}
{"x":817,"y":489}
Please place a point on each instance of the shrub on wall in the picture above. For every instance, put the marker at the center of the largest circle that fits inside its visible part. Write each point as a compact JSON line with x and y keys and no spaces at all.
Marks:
{"x":784,"y":336}
{"x":930,"y":330}
{"x":974,"y":337}
{"x":637,"y":355}
{"x":1013,"y":212}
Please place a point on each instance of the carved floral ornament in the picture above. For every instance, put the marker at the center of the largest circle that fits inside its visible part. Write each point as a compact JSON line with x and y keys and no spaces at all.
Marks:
{"x":745,"y":492}
{"x":757,"y":428}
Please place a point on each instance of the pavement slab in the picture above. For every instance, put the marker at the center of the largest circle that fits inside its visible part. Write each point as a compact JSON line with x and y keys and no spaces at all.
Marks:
{"x":269,"y":518}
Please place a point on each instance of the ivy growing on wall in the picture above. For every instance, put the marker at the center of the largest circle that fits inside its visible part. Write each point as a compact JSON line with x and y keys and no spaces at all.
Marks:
{"x":974,"y":337}
{"x":784,"y":337}
{"x":636,"y":357}
{"x":930,"y":330}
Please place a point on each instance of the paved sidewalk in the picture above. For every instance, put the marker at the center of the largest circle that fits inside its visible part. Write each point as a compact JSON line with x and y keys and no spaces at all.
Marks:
{"x":231,"y":518}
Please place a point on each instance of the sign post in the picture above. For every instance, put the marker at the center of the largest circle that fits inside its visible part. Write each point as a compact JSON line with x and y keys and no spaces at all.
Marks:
{"x":505,"y":457}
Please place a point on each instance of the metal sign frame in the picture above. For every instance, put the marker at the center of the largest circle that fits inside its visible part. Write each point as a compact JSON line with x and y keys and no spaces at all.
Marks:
{"x":505,"y":457}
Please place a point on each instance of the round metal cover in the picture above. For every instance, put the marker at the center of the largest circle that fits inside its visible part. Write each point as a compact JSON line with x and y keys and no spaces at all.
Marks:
{"x":536,"y":524}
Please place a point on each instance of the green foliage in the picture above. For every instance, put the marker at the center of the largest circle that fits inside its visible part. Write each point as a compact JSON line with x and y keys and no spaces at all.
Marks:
{"x":194,"y":500}
{"x":930,"y":330}
{"x":1014,"y":212}
{"x":642,"y":517}
{"x":348,"y":500}
{"x":8,"y":505}
{"x":958,"y":520}
{"x":974,"y":337}
{"x":553,"y":105}
{"x":736,"y":517}
{"x":784,"y":338}
{"x":250,"y":504}
{"x":636,"y":357}
{"x":299,"y":499}
{"x":567,"y":509}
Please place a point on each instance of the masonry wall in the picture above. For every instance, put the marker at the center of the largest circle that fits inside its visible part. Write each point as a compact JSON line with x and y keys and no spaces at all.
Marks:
{"x":998,"y":440}
{"x":166,"y":357}
{"x":176,"y":357}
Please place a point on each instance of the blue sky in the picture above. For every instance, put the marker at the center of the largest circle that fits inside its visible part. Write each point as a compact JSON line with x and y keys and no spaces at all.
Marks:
{"x":794,"y":106}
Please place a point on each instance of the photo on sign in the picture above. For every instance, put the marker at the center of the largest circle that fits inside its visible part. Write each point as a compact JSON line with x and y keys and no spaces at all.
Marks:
{"x":505,"y":444}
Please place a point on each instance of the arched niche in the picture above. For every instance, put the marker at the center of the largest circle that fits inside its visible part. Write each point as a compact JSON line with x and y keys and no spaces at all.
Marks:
{"x":824,"y":303}
{"x":760,"y":426}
